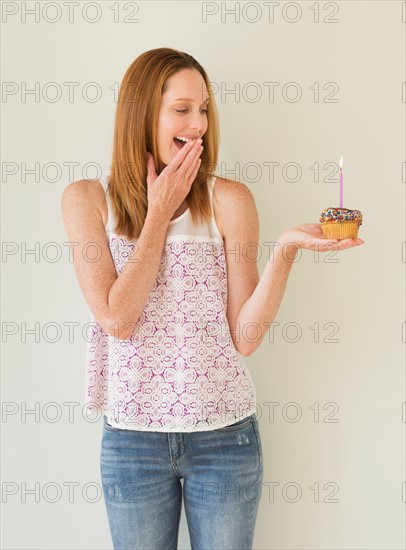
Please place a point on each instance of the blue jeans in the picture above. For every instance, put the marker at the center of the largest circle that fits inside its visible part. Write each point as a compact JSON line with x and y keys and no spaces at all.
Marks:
{"x":222,"y":472}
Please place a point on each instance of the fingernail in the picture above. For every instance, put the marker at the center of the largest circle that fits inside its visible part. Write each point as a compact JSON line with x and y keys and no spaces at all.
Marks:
{"x":199,"y":140}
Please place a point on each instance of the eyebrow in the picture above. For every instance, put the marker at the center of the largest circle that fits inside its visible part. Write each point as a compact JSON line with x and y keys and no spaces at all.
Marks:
{"x":188,"y":99}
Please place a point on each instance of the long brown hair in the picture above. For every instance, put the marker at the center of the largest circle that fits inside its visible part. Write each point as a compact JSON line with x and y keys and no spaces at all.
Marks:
{"x":135,"y":133}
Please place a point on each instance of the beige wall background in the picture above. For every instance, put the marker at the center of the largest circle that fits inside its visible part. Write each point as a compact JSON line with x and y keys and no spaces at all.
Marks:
{"x":333,"y":367}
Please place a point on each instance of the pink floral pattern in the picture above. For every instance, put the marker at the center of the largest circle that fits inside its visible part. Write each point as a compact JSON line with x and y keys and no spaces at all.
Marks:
{"x":179,"y":370}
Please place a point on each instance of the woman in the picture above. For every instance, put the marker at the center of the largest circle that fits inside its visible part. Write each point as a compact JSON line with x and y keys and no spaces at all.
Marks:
{"x":176,"y":301}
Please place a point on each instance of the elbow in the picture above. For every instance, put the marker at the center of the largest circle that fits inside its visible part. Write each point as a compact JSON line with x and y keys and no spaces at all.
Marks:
{"x":119,"y":330}
{"x":246,"y":350}
{"x":119,"y":335}
{"x":241,"y":346}
{"x":117,"y":326}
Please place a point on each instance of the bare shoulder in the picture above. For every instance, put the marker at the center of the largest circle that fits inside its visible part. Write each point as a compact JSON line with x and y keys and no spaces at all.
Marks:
{"x":86,"y":194}
{"x":232,"y":201}
{"x":226,"y":186}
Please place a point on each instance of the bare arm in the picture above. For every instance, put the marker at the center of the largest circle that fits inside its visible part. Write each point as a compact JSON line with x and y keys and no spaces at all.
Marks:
{"x":142,"y":266}
{"x":116,"y":302}
{"x":263,"y":305}
{"x":253,"y":303}
{"x":260,"y":310}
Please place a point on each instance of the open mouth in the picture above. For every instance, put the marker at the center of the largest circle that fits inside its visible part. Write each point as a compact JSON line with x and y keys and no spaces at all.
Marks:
{"x":179,"y":143}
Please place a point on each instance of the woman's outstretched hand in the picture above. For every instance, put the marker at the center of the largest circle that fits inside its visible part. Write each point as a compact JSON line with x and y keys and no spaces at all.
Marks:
{"x":310,"y":236}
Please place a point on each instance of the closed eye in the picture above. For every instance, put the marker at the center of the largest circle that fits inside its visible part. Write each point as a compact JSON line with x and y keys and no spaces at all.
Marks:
{"x":186,"y":110}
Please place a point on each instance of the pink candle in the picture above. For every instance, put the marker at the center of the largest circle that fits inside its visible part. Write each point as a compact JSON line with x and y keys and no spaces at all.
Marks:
{"x":341,"y":181}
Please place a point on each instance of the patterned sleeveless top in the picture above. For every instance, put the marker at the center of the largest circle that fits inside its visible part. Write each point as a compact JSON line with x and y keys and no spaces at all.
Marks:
{"x":179,"y":370}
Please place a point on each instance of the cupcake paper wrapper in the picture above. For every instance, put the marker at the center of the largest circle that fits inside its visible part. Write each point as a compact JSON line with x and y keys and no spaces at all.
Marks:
{"x":343,"y":230}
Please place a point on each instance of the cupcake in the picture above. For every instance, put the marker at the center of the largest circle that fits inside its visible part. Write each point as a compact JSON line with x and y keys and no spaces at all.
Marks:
{"x":340,"y":223}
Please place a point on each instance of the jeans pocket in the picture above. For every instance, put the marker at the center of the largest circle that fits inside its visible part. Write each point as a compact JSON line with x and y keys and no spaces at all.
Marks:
{"x":259,"y":442}
{"x":239,"y":424}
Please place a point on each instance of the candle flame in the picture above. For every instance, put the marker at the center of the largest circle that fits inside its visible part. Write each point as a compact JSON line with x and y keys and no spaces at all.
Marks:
{"x":341,"y":162}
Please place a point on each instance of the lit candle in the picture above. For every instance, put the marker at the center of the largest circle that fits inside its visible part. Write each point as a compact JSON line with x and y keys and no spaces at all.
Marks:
{"x":341,"y":181}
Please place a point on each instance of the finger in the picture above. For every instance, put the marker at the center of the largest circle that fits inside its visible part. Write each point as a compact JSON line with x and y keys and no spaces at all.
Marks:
{"x":187,"y":166}
{"x":351,"y":242}
{"x":193,"y":175}
{"x":324,"y":243}
{"x":180,"y":156}
{"x":191,"y":165}
{"x":315,"y":225}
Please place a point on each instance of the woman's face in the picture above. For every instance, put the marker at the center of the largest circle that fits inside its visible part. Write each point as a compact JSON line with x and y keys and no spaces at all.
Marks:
{"x":181,"y":117}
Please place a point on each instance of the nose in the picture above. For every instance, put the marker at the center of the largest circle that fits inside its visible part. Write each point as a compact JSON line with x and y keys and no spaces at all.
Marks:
{"x":198,"y":121}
